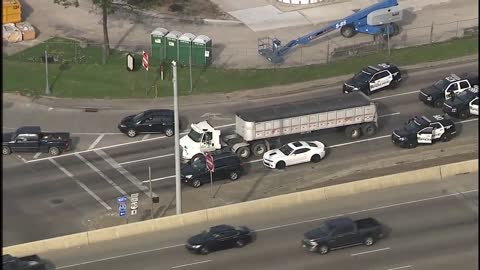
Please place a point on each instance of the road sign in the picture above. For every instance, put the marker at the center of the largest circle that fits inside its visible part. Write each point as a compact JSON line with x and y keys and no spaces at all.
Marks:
{"x":133,"y":203}
{"x":145,"y":60}
{"x":122,"y":205}
{"x":130,"y":62}
{"x":209,"y":160}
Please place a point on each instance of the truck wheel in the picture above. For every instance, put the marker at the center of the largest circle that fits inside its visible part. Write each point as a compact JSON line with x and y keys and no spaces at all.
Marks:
{"x":258,"y":149}
{"x":323,"y":249}
{"x":233,"y":176}
{"x":280,"y":165}
{"x":348,"y":31}
{"x":394,"y":84}
{"x":54,"y":151}
{"x":196,"y":183}
{"x":368,"y":241}
{"x":243,"y":152}
{"x":464,"y":114}
{"x":353,"y":132}
{"x":6,"y":150}
{"x":169,"y":132}
{"x":369,"y":129}
{"x":446,"y":137}
{"x":315,"y":158}
{"x":131,"y":133}
{"x":438,"y":103}
{"x":197,"y":157}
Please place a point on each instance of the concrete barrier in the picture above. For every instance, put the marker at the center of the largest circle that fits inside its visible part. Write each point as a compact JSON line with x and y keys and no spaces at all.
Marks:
{"x":437,"y":173}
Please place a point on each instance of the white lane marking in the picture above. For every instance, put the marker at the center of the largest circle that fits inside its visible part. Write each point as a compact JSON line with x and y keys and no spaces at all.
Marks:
{"x":134,"y":180}
{"x":146,"y":137}
{"x":96,"y":141}
{"x":89,"y":191}
{"x":396,"y":95}
{"x":390,"y":114}
{"x":144,"y":159}
{"x":119,"y":256}
{"x":95,"y":169}
{"x":189,"y":264}
{"x":22,"y":158}
{"x":370,"y":251}
{"x":274,"y":227}
{"x":365,"y":140}
{"x":37,"y":155}
{"x":96,"y":133}
{"x":400,"y":267}
{"x":466,"y":121}
{"x":158,"y":179}
{"x":365,"y":210}
{"x":113,"y":146}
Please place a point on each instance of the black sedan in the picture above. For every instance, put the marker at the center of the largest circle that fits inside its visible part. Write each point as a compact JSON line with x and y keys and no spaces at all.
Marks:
{"x":219,"y":237}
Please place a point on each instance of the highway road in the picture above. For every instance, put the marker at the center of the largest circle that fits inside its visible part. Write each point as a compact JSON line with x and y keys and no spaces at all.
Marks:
{"x":77,"y":191}
{"x":430,"y":226}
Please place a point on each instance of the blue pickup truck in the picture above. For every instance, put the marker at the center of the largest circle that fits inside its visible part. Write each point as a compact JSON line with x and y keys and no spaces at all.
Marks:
{"x":342,"y":232}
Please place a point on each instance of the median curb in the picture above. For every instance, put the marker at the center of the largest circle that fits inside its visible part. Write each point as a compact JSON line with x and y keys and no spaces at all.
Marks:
{"x":436,"y":173}
{"x":210,"y":99}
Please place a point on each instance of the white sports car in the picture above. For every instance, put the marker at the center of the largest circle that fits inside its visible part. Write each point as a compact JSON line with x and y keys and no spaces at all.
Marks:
{"x":294,"y":153}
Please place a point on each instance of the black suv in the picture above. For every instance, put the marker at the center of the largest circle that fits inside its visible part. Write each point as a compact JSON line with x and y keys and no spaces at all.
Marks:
{"x":219,"y":237}
{"x":374,"y":79}
{"x":151,"y":121}
{"x":226,"y":165}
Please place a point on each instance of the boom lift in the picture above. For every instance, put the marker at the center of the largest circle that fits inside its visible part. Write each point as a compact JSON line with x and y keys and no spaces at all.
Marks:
{"x":376,"y":19}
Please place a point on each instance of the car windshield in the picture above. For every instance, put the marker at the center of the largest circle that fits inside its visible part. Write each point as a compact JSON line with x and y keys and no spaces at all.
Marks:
{"x":412,"y":125}
{"x":195,"y":136}
{"x":138,"y":117}
{"x":322,"y":230}
{"x":286,"y":150}
{"x":198,"y":164}
{"x":362,"y":76}
{"x":441,"y":84}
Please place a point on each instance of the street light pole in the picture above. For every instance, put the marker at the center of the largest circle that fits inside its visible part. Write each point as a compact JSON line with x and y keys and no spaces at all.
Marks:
{"x":178,"y":191}
{"x":47,"y":87}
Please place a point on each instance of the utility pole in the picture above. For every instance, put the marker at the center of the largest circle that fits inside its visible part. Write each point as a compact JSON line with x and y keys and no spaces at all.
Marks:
{"x":151,"y":191}
{"x":47,"y":87}
{"x":178,"y":191}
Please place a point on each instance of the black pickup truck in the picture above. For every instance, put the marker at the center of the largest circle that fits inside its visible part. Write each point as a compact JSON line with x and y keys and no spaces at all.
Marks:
{"x":32,"y":139}
{"x":32,"y":262}
{"x":342,"y":232}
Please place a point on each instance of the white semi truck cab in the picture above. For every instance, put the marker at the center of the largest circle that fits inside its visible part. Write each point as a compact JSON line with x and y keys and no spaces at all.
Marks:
{"x":201,"y":138}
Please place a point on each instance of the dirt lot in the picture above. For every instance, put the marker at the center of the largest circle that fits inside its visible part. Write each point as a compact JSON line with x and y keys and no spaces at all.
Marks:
{"x":195,"y":8}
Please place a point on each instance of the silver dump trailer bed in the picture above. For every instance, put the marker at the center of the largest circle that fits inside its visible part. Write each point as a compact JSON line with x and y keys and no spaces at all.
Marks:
{"x":305,"y":116}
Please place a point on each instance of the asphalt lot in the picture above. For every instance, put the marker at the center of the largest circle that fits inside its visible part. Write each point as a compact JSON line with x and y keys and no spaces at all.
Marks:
{"x":431,"y":225}
{"x":77,"y":191}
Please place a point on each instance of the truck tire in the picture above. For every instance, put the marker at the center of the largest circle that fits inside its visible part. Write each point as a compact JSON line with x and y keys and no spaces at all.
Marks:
{"x":54,"y":151}
{"x":394,"y":84}
{"x":368,"y":241}
{"x":243,"y":152}
{"x":259,"y":148}
{"x":169,"y":132}
{"x":369,"y":129}
{"x":438,"y":103}
{"x":353,"y":132}
{"x":396,"y":29}
{"x":464,"y":114}
{"x":348,"y":31}
{"x":131,"y":133}
{"x":323,"y":249}
{"x":280,"y":165}
{"x":6,"y":150}
{"x":197,"y":157}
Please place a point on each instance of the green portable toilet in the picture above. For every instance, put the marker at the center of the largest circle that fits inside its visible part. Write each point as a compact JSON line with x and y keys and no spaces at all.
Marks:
{"x":157,"y":55}
{"x":172,"y":45}
{"x":185,"y":48}
{"x":202,"y":51}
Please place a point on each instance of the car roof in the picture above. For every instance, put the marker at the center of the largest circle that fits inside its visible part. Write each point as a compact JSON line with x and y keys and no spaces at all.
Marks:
{"x":28,"y":130}
{"x":340,"y":222}
{"x":159,"y":111}
{"x":222,"y":155}
{"x":297,"y":144}
{"x":372,"y":69}
{"x":220,"y":228}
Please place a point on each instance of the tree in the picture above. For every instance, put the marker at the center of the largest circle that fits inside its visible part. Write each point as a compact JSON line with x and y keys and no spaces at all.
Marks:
{"x":106,"y":7}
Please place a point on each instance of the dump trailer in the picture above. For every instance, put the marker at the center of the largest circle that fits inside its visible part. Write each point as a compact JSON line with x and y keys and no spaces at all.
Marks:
{"x":256,"y":128}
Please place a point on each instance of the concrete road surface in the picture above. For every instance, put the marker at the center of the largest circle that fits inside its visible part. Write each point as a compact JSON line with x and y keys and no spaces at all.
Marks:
{"x":77,"y":191}
{"x":428,"y":225}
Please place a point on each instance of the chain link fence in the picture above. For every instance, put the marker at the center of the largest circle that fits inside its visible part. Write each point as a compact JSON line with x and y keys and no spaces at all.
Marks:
{"x":328,"y":49}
